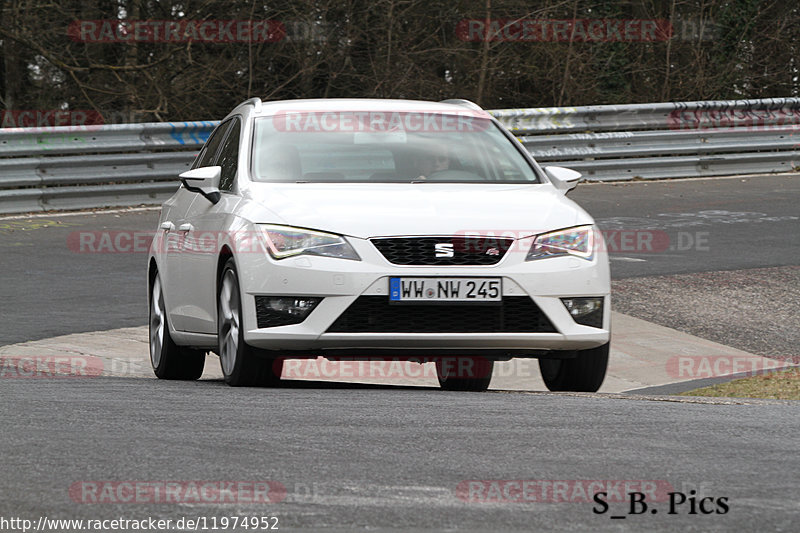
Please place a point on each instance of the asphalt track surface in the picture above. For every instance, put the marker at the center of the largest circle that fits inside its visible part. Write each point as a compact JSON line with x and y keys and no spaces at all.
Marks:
{"x":381,"y":457}
{"x":363,"y":458}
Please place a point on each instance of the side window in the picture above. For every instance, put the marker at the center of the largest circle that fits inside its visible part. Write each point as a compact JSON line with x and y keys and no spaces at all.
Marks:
{"x":229,"y":157}
{"x":206,"y":157}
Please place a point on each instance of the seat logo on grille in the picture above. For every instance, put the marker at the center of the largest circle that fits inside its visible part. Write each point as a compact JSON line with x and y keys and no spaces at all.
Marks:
{"x":444,"y":249}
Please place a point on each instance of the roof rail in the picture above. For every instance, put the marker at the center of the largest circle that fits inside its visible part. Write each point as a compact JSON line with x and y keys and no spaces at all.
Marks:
{"x":463,"y":103}
{"x":255,"y":101}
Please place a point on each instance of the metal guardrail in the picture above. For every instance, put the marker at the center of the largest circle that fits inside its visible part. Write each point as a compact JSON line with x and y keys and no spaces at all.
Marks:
{"x":132,"y":164}
{"x":665,"y":140}
{"x":83,"y":167}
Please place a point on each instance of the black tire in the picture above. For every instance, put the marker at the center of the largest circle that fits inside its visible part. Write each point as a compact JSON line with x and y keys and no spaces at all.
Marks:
{"x":169,"y":361}
{"x":464,"y":373}
{"x":583,"y":373}
{"x":241,"y":364}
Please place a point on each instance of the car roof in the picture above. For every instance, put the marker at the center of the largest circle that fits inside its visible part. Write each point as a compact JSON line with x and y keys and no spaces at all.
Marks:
{"x":321,"y":105}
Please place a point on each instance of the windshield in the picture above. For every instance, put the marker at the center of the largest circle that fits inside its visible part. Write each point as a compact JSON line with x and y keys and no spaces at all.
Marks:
{"x":385,"y":147}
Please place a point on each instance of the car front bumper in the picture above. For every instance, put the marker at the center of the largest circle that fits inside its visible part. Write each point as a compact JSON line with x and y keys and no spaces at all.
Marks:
{"x":341,"y":282}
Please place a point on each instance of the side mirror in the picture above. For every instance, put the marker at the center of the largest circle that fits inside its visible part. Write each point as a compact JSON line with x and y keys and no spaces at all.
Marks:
{"x":203,"y":180}
{"x":564,"y":179}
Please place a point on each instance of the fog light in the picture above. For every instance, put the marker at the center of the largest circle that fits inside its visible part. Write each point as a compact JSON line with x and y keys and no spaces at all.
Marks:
{"x":293,"y":306}
{"x":585,"y":311}
{"x":272,"y":311}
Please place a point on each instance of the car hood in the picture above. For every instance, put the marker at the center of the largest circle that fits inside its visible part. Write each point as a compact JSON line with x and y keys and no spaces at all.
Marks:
{"x":385,"y":209}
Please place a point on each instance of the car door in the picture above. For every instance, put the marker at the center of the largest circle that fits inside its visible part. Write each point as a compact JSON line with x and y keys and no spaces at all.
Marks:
{"x":174,"y":230}
{"x":206,"y":224}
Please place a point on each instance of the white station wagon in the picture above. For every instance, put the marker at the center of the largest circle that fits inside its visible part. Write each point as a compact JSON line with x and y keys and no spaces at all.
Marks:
{"x":357,"y":228}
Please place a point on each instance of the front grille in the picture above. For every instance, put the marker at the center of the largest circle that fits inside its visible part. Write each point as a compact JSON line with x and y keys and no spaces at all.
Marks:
{"x":456,"y":251}
{"x":374,"y":314}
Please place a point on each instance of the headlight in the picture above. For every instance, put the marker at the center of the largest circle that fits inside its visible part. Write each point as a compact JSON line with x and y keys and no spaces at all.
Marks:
{"x":283,"y":241}
{"x":578,"y":241}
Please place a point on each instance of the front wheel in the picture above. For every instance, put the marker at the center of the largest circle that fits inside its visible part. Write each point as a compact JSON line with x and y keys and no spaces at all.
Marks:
{"x":240,"y":363}
{"x":583,"y":373}
{"x":169,"y":360}
{"x":464,"y":373}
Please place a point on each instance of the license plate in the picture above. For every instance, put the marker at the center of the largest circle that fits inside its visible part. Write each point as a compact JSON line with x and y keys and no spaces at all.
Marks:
{"x":445,"y":289}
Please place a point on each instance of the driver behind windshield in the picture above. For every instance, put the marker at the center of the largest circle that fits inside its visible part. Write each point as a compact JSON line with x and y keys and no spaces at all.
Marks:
{"x":432,"y":160}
